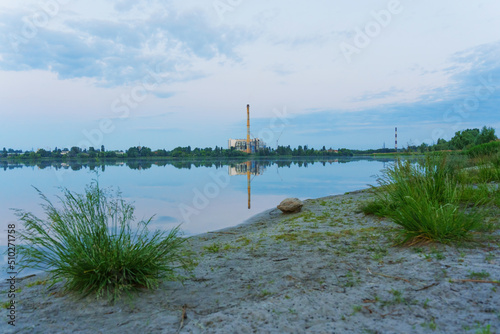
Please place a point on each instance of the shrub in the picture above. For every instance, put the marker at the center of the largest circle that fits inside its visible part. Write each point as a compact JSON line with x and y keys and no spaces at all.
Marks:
{"x":90,"y":242}
{"x":487,"y":149}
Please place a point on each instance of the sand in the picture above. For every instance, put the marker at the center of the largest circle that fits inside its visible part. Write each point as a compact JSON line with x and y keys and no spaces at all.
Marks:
{"x":328,"y":269}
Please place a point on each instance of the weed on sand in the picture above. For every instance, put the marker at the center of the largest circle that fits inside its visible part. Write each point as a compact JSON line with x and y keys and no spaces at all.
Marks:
{"x":91,"y":243}
{"x":427,"y":200}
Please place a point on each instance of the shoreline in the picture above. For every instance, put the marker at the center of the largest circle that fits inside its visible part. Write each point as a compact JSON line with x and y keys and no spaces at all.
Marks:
{"x":326,"y":269}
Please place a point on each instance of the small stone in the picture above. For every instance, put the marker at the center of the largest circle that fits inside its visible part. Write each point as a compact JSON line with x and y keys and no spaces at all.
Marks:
{"x":290,"y":205}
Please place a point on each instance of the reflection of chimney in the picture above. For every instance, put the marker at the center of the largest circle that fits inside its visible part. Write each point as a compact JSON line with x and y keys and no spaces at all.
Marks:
{"x":248,"y":129}
{"x":248,"y":182}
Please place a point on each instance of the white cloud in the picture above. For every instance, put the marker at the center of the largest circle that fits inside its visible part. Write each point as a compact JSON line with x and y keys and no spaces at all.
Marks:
{"x":268,"y":54}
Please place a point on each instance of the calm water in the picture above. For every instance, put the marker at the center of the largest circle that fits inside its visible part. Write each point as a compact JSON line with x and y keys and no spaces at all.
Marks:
{"x":202,"y":196}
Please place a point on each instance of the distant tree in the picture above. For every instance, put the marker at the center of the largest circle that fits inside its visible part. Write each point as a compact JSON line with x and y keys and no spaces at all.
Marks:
{"x":43,"y":153}
{"x":132,"y":152}
{"x":464,"y":139}
{"x":145,"y":152}
{"x":486,"y":135}
{"x":160,"y":153}
{"x":92,"y":152}
{"x":300,"y":150}
{"x":110,"y":154}
{"x":102,"y":148}
{"x":423,"y":148}
{"x":74,"y":151}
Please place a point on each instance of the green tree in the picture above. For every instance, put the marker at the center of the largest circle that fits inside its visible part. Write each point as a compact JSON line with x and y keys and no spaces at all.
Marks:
{"x":300,"y":151}
{"x":92,"y":152}
{"x":486,"y":135}
{"x":43,"y":153}
{"x":132,"y":152}
{"x":74,"y":151}
{"x":464,"y":139}
{"x":145,"y":152}
{"x":423,"y":148}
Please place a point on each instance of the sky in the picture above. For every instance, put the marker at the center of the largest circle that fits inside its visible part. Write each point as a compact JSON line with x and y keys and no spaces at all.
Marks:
{"x":175,"y":73}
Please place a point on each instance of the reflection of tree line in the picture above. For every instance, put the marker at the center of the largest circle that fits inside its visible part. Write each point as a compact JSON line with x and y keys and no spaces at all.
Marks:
{"x":180,"y":164}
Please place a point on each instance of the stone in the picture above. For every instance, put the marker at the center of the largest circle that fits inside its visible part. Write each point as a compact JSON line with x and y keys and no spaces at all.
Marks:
{"x":290,"y":205}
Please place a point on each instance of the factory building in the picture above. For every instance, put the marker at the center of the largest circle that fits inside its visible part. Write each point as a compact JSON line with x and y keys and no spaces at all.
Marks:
{"x":241,"y":144}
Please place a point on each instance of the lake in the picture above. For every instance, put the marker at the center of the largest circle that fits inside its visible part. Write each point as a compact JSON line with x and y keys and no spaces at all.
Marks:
{"x":202,"y":196}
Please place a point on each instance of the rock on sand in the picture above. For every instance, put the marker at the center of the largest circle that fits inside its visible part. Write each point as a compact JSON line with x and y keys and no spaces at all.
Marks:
{"x":290,"y":205}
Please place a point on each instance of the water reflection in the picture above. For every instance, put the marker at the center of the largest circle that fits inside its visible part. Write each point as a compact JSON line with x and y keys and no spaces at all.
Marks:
{"x":251,"y":168}
{"x":248,"y":168}
{"x":203,"y":195}
{"x":257,"y":166}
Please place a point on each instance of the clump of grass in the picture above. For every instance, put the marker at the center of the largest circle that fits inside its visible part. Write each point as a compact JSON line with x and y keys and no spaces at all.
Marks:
{"x":479,"y":275}
{"x":90,"y":243}
{"x":424,"y":220}
{"x":213,"y":248}
{"x":424,"y":199}
{"x":218,"y":247}
{"x":373,"y":207}
{"x":35,"y":283}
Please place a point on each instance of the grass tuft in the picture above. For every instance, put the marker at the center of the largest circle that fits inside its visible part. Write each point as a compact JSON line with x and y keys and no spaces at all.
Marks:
{"x":91,"y":244}
{"x":425,"y":199}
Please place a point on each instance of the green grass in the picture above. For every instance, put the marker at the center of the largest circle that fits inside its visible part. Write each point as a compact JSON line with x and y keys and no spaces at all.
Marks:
{"x":426,"y":200}
{"x":35,"y":283}
{"x":213,"y":248}
{"x":5,"y":305}
{"x":479,"y":275}
{"x":91,"y":243}
{"x":484,"y":330}
{"x":488,"y":149}
{"x":218,"y":248}
{"x":373,"y":208}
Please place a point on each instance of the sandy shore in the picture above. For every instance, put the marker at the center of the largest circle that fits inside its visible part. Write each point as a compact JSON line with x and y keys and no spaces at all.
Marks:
{"x":328,"y":269}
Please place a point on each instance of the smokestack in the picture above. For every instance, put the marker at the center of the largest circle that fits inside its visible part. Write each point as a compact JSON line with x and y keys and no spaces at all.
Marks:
{"x":248,"y":129}
{"x":396,"y":139}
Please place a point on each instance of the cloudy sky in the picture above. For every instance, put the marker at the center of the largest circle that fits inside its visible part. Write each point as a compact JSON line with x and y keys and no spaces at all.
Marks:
{"x":175,"y":73}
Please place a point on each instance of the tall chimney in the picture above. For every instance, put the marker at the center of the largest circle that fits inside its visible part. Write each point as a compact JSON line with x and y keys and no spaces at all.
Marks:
{"x":248,"y":129}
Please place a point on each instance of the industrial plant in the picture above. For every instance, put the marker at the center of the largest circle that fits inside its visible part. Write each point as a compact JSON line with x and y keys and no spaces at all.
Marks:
{"x":247,"y":145}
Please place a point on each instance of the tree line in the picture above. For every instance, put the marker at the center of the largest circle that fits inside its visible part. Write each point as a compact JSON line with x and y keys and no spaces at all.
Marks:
{"x":178,"y":152}
{"x":460,"y":141}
